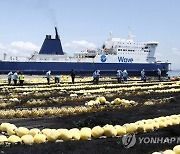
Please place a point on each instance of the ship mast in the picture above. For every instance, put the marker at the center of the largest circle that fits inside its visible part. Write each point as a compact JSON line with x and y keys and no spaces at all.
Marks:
{"x":130,"y":35}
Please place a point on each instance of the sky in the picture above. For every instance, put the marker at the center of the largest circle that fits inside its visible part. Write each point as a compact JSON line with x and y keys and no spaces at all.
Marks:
{"x":86,"y":24}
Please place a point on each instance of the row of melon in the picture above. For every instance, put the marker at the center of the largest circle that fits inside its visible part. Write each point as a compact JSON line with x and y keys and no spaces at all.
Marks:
{"x":84,"y":133}
{"x":34,"y":135}
{"x":176,"y":150}
{"x":55,"y":111}
{"x":78,"y":87}
{"x":40,"y":112}
{"x":102,"y":100}
{"x":172,"y":88}
{"x":36,"y":91}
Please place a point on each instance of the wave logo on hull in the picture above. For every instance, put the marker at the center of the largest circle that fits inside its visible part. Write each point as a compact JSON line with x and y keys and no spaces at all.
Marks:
{"x":125,"y":60}
{"x":103,"y":58}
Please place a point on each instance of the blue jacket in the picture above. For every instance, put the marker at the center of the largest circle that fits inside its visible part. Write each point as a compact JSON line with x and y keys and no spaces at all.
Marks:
{"x":15,"y":76}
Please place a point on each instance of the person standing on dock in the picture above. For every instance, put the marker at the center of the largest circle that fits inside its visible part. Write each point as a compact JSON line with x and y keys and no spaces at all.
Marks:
{"x":143,"y":76}
{"x":15,"y":78}
{"x":9,"y":77}
{"x":21,"y":79}
{"x":97,"y":76}
{"x":119,"y":75}
{"x":125,"y":75}
{"x":94,"y":77}
{"x":57,"y":79}
{"x":48,"y":76}
{"x":72,"y":76}
{"x":159,"y":74}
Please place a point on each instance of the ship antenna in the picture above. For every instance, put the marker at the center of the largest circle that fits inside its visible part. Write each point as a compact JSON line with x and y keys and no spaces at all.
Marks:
{"x":57,"y":36}
{"x":110,"y":35}
{"x":130,"y":35}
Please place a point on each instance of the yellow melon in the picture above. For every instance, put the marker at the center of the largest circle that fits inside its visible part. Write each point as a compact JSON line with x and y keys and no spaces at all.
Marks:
{"x":52,"y":135}
{"x":120,"y":130}
{"x":65,"y":135}
{"x":176,"y":149}
{"x":34,"y":131}
{"x":75,"y":133}
{"x":14,"y":139}
{"x":97,"y":131}
{"x":102,"y":100}
{"x":11,"y":129}
{"x":85,"y":133}
{"x":4,"y":126}
{"x":169,"y":152}
{"x":117,"y":101}
{"x":148,"y":127}
{"x":109,"y":131}
{"x":131,"y":128}
{"x":22,"y":131}
{"x":3,"y":139}
{"x":45,"y":131}
{"x":27,"y":139}
{"x":39,"y":138}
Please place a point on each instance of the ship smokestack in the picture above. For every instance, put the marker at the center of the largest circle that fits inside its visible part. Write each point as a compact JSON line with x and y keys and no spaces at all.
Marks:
{"x":52,"y":46}
{"x":57,"y":36}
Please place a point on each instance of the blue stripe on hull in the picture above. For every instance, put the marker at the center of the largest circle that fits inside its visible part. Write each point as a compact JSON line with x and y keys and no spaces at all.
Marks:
{"x":63,"y":67}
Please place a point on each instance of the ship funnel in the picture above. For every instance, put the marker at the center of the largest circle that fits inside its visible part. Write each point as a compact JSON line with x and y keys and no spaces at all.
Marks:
{"x":52,"y":46}
{"x":57,"y":36}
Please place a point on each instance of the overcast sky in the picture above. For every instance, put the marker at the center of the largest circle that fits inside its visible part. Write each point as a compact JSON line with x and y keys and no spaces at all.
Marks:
{"x":86,"y":23}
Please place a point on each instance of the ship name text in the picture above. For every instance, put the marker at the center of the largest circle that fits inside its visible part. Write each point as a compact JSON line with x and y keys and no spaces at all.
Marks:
{"x":125,"y":60}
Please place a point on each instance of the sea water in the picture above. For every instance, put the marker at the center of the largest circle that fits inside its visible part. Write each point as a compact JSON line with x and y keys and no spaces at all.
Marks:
{"x":174,"y":73}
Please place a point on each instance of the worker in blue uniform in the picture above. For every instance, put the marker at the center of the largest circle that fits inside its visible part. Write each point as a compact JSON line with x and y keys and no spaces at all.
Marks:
{"x":15,"y":78}
{"x":159,"y":74}
{"x":143,"y":76}
{"x":125,"y":75}
{"x":9,"y":77}
{"x":48,"y":76}
{"x":119,"y":75}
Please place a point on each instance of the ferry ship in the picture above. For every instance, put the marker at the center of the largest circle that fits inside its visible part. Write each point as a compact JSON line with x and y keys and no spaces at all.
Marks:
{"x":116,"y":53}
